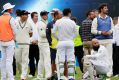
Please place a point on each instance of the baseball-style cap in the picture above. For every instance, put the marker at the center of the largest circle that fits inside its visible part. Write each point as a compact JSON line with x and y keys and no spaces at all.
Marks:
{"x":24,"y":12}
{"x":42,"y":13}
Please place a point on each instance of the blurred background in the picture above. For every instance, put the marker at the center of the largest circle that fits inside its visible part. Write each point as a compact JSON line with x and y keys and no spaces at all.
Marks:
{"x":79,"y":7}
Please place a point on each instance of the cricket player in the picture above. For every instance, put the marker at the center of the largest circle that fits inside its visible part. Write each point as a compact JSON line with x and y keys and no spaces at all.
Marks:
{"x":98,"y":60}
{"x":57,"y":14}
{"x":23,"y":41}
{"x":45,"y":60}
{"x":65,"y":31}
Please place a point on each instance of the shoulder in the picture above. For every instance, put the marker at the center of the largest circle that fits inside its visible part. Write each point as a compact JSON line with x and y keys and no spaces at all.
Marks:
{"x":102,"y":47}
{"x":95,"y":20}
{"x":59,"y":20}
{"x":12,"y":19}
{"x":29,"y":24}
{"x":50,"y":23}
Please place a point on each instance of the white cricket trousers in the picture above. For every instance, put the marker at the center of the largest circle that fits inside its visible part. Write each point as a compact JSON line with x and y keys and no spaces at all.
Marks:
{"x":90,"y":67}
{"x":65,"y":52}
{"x":6,"y":62}
{"x":108,"y":44}
{"x":22,"y":59}
{"x":44,"y":61}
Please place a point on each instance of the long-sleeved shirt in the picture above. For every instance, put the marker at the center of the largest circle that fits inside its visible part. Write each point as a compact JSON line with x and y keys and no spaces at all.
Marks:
{"x":95,"y":25}
{"x":65,"y":29}
{"x":48,"y":31}
{"x":116,"y":34}
{"x":99,"y":57}
{"x":24,"y":28}
{"x":86,"y":30}
{"x":42,"y":31}
{"x":35,"y":31}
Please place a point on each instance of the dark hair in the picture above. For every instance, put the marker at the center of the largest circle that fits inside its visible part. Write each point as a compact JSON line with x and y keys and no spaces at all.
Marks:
{"x":102,"y":6}
{"x":74,"y":19}
{"x":88,"y":13}
{"x":32,"y":14}
{"x":115,"y":18}
{"x":42,"y":13}
{"x":6,"y":11}
{"x":95,"y":10}
{"x":55,"y":13}
{"x":18,"y":12}
{"x":66,"y":11}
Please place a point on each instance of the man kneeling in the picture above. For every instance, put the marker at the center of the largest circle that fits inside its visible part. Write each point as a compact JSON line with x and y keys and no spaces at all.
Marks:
{"x":98,"y":61}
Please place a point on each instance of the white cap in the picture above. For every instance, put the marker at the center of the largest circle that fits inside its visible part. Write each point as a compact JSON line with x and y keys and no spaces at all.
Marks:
{"x":7,"y":6}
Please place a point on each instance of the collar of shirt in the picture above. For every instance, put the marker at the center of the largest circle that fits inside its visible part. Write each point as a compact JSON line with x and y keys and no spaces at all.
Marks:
{"x":34,"y":22}
{"x":65,"y":17}
{"x":17,"y":18}
{"x":45,"y":21}
{"x":89,"y":19}
{"x":34,"y":25}
{"x":102,"y":17}
{"x":22,"y":24}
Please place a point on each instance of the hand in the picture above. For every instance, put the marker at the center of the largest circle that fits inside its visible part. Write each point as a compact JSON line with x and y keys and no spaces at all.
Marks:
{"x":104,"y":33}
{"x":35,"y":42}
{"x":108,"y":33}
{"x":30,"y":34}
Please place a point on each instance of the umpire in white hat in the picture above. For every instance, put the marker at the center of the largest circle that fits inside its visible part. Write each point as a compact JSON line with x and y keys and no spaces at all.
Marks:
{"x":7,"y":35}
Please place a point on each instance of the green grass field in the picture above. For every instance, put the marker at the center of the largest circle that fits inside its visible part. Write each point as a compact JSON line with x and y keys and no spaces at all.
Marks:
{"x":78,"y":76}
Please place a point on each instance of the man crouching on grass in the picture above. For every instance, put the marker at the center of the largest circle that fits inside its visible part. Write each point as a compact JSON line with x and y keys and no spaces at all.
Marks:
{"x":97,"y":62}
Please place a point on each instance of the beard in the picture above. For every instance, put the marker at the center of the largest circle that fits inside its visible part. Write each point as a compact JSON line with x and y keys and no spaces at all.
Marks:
{"x":106,"y":12}
{"x":95,"y":48}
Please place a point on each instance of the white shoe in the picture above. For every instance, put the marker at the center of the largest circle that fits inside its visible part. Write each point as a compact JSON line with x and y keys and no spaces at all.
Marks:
{"x":116,"y":76}
{"x":65,"y":78}
{"x":108,"y":79}
{"x":39,"y":78}
{"x":30,"y":76}
{"x":109,"y":74}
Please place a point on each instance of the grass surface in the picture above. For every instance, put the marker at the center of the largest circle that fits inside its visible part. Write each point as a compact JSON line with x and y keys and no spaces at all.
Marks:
{"x":78,"y":76}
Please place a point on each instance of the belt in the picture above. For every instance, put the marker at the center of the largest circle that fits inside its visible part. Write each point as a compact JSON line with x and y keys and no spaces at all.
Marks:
{"x":23,"y":44}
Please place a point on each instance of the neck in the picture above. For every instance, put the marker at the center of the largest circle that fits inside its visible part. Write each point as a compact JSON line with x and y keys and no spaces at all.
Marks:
{"x":34,"y":21}
{"x":22,"y":20}
{"x":88,"y":17}
{"x":44,"y":19}
{"x":102,"y":15}
{"x":55,"y":19}
{"x":66,"y":16}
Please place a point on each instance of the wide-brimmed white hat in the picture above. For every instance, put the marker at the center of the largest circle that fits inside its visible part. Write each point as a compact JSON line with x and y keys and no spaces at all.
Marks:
{"x":7,"y":6}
